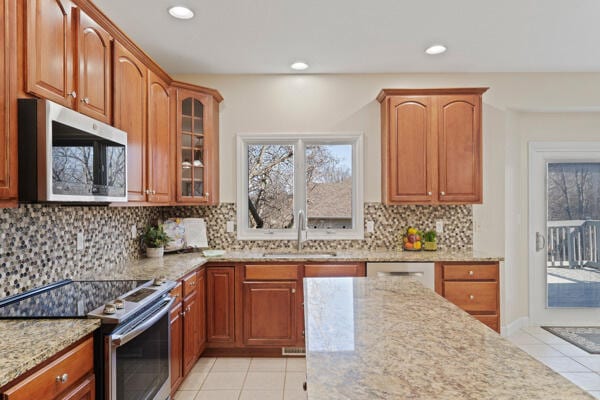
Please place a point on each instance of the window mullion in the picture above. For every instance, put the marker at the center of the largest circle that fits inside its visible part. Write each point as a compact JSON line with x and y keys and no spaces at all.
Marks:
{"x":299,"y":180}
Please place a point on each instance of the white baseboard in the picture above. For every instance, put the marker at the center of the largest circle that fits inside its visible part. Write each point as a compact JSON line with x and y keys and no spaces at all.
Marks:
{"x":514,"y":326}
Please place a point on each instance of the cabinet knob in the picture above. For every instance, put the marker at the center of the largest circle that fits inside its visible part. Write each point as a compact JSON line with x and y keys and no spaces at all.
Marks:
{"x":73,"y":94}
{"x":443,"y":193}
{"x":429,"y":193}
{"x":85,"y":100}
{"x":472,"y":297}
{"x":62,"y":378}
{"x":293,"y":290}
{"x":182,"y":314}
{"x":147,"y":191}
{"x":206,"y":194}
{"x":471,"y":273}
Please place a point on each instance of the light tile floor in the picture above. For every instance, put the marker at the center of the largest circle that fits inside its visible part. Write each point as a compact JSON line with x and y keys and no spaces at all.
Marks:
{"x":282,"y":378}
{"x":245,"y":379}
{"x":580,"y":367}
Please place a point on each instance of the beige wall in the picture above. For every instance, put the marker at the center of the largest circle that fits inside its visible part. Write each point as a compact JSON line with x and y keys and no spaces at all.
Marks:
{"x":331,"y":103}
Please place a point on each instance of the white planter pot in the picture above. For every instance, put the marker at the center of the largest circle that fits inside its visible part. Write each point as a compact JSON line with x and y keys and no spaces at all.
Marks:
{"x":155,"y":252}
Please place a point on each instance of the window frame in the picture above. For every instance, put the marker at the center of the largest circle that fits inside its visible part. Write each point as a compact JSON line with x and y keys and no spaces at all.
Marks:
{"x":299,"y":141}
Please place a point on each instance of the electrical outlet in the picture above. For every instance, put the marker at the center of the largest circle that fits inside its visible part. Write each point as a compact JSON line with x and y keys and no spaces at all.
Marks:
{"x":230,"y":227}
{"x":133,"y":232}
{"x":439,"y":226}
{"x":370,"y":226}
{"x":80,"y":241}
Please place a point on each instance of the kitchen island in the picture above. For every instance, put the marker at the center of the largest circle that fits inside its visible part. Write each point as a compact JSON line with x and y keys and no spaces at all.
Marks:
{"x":391,"y":338}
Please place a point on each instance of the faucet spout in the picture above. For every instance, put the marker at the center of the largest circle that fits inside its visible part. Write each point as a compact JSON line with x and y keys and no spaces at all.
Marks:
{"x":301,"y":229}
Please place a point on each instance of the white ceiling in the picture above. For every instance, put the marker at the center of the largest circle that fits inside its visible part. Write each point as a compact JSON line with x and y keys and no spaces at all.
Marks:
{"x":365,"y":36}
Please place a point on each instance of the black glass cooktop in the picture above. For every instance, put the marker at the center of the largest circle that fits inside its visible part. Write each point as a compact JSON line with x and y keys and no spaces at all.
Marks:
{"x":64,"y":299}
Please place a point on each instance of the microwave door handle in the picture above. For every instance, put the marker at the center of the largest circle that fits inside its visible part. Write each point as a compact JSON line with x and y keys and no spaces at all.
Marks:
{"x":120,"y":340}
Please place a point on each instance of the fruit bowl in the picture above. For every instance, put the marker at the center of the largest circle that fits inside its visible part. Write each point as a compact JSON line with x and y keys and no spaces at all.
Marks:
{"x":411,"y":240}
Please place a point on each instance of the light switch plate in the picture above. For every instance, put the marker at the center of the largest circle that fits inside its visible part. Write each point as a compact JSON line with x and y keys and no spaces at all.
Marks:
{"x":80,"y":241}
{"x":370,"y":226}
{"x":230,"y":227}
{"x":439,"y":226}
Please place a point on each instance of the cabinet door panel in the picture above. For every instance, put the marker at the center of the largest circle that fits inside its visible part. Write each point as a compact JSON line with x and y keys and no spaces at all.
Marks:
{"x":176,"y":347}
{"x":190,"y":333}
{"x":49,"y":54}
{"x":411,"y":150}
{"x":159,"y":139}
{"x":8,"y":132}
{"x":459,"y":131}
{"x":94,"y":56}
{"x":269,"y":313}
{"x":201,"y":309}
{"x":220,"y":298}
{"x":130,"y":116}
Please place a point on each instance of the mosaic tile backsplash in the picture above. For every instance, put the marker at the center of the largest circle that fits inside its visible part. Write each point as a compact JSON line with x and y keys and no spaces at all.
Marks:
{"x":389,"y":221}
{"x":38,"y":242}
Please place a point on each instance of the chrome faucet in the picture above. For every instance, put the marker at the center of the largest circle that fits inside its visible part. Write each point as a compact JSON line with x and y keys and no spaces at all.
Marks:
{"x":301,"y":229}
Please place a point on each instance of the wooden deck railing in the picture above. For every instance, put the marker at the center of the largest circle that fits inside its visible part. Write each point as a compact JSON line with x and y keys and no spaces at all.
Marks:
{"x":573,"y":244}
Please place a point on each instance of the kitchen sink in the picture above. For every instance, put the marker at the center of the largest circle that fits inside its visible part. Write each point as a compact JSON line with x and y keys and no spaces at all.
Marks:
{"x":300,"y":255}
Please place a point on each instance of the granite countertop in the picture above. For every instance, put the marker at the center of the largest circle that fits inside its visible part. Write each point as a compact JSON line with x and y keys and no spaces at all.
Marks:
{"x":172,"y":266}
{"x":27,"y":343}
{"x":255,"y":255}
{"x":391,"y":338}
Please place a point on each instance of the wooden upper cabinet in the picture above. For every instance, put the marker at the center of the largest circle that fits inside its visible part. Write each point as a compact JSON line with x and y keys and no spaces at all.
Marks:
{"x":459,"y":144}
{"x":159,"y":139}
{"x":94,"y":69}
{"x":197,"y":148}
{"x":431,"y":146}
{"x":8,"y":116}
{"x":410,"y":149}
{"x":130,"y":116}
{"x":49,"y":50}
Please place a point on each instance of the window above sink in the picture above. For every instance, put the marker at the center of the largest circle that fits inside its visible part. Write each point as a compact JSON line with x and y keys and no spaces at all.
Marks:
{"x":284,"y":173}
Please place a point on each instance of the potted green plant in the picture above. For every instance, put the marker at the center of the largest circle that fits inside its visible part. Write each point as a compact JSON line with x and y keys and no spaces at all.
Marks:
{"x":430,"y":240}
{"x":155,"y":239}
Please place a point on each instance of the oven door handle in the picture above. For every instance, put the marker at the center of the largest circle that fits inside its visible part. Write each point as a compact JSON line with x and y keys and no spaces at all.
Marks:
{"x":120,"y":340}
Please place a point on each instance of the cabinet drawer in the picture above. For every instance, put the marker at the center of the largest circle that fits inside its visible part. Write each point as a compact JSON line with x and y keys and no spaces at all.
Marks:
{"x":177,"y":294}
{"x":333,"y":270}
{"x":272,"y":272}
{"x":189,"y":284}
{"x":46,"y":383}
{"x":472,"y":296}
{"x":457,"y":272}
{"x":489,"y":320}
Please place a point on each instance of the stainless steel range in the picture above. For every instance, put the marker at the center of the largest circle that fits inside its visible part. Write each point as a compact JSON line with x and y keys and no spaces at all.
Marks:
{"x":132,"y":347}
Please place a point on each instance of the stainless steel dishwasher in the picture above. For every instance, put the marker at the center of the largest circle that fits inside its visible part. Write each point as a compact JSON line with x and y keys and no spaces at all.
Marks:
{"x":423,"y":272}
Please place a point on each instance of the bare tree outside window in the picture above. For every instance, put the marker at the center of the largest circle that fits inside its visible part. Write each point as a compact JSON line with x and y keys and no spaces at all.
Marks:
{"x":271,"y":186}
{"x":573,"y":191}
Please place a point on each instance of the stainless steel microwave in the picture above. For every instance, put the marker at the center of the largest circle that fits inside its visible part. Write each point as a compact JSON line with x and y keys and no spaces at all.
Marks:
{"x":65,"y":156}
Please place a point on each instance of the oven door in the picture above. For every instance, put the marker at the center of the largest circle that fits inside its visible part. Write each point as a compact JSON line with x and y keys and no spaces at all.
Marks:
{"x":138,"y":357}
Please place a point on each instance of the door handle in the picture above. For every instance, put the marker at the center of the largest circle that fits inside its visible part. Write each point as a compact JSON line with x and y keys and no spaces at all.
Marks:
{"x":540,"y":242}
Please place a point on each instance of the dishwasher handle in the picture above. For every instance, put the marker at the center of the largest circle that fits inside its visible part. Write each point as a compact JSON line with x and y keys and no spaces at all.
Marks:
{"x":400,"y":273}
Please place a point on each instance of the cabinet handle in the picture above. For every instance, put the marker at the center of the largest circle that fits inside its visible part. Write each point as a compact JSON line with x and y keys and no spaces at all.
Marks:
{"x":62,"y":378}
{"x":443,"y":193}
{"x":73,"y":94}
{"x":472,"y":297}
{"x":85,"y":100}
{"x":471,"y":273}
{"x":429,"y":193}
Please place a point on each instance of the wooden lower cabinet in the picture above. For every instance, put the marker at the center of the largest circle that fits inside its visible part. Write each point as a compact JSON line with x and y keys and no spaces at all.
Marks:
{"x":176,"y":325}
{"x":190,"y":332}
{"x":269,"y":313}
{"x":220,"y":306}
{"x":474,"y":287}
{"x":75,"y":365}
{"x":201,"y":309}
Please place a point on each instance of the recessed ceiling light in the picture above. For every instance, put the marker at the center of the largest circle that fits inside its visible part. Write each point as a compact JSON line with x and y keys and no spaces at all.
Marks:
{"x":299,"y":66}
{"x":181,"y":12}
{"x":436,"y":49}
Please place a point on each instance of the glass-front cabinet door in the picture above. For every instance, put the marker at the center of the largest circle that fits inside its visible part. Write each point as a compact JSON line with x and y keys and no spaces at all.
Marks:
{"x":195,"y":150}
